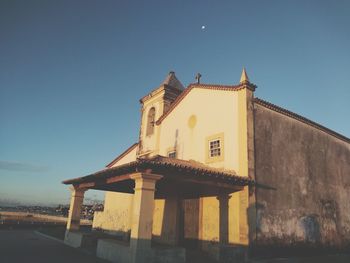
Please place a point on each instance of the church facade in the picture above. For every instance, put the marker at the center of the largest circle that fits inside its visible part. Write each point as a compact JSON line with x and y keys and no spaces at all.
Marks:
{"x":220,"y":174}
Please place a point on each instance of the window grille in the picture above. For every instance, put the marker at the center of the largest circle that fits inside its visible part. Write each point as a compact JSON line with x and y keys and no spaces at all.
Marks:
{"x":214,"y":148}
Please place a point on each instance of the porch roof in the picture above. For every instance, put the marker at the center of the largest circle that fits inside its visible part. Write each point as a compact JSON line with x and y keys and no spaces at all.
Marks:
{"x":193,"y":177}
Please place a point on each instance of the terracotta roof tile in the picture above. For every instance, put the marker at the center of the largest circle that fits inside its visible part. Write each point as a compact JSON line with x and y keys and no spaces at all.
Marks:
{"x":170,"y":164}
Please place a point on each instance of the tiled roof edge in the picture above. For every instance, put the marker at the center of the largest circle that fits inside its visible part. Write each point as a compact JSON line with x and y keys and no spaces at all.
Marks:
{"x":100,"y":173}
{"x":300,"y":118}
{"x":161,"y":161}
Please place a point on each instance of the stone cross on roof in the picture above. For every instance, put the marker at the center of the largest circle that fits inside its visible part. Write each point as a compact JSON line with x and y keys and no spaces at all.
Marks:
{"x":198,"y":77}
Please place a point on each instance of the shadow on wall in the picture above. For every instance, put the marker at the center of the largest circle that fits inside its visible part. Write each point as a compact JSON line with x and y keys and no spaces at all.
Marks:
{"x":118,"y":250}
{"x":183,"y":229}
{"x":311,"y":228}
{"x":290,"y":233}
{"x":117,"y":235}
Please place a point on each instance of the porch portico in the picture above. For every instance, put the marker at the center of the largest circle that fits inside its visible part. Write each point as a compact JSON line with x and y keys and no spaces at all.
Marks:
{"x":149,"y":179}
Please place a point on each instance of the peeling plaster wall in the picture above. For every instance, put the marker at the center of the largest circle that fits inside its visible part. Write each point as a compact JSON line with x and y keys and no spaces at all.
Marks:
{"x":310,"y":171}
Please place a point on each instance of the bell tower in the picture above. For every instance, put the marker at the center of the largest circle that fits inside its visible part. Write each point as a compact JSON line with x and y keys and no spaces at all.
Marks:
{"x":154,"y":105}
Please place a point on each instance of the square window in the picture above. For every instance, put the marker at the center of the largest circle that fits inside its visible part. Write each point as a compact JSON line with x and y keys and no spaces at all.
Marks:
{"x":214,"y":148}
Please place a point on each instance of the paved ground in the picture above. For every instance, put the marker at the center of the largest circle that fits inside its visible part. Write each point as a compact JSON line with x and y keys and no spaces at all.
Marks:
{"x":25,"y":246}
{"x":341,"y":258}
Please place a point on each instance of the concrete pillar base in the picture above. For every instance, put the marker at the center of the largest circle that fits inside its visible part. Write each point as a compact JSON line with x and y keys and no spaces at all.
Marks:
{"x":73,"y":239}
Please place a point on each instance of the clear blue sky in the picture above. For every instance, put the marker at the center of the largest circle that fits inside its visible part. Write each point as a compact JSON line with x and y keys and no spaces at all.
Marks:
{"x":71,"y":74}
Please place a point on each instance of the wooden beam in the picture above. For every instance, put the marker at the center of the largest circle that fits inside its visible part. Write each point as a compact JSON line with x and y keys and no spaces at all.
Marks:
{"x":86,"y":185}
{"x":106,"y":181}
{"x":213,"y":183}
{"x":116,"y":179}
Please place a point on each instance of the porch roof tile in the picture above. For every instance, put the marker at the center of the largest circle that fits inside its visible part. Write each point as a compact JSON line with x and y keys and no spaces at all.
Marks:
{"x":159,"y":164}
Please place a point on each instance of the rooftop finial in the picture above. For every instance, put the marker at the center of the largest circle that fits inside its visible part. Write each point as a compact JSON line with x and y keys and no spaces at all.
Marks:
{"x":198,"y":78}
{"x":244,"y":77}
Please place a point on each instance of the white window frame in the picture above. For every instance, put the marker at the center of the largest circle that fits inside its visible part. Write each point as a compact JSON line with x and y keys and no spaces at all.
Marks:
{"x":209,"y":158}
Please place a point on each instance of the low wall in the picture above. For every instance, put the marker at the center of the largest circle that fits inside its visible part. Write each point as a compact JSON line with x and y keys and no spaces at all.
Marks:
{"x":113,"y":250}
{"x":118,"y":251}
{"x":26,"y":216}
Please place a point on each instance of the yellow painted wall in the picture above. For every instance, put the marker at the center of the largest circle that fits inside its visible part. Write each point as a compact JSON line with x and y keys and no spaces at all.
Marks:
{"x":210,"y":219}
{"x":116,"y":216}
{"x":158,"y":218}
{"x":200,"y":114}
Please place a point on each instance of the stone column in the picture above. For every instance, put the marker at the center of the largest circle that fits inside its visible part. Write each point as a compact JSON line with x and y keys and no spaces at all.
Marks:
{"x":223,"y":224}
{"x":142,"y":217}
{"x":76,"y":202}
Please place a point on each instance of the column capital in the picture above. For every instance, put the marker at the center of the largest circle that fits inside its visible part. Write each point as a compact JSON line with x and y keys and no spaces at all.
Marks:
{"x":77,"y":191}
{"x":145,"y":181}
{"x":223,"y":197}
{"x":146,"y":176}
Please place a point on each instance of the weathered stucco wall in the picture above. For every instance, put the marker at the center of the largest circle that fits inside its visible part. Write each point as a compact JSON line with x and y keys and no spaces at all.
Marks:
{"x":115,"y":219}
{"x":310,"y":171}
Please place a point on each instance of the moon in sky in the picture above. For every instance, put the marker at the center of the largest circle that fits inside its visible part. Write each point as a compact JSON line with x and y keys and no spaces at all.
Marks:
{"x":203,"y":27}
